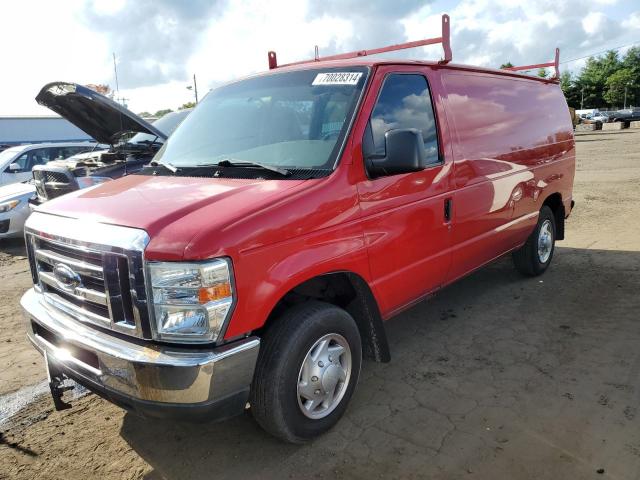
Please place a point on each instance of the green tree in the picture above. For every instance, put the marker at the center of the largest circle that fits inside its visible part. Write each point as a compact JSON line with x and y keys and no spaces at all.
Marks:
{"x":145,"y":114}
{"x":570,"y":89}
{"x":507,"y":65}
{"x":162,"y":113}
{"x":187,"y":105}
{"x":616,"y":85}
{"x":631,"y":62}
{"x":542,"y":72}
{"x":592,"y":79}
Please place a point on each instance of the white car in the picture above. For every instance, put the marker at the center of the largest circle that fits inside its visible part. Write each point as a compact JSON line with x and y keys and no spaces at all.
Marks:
{"x":599,"y":117}
{"x":14,"y":208}
{"x":16,"y":162}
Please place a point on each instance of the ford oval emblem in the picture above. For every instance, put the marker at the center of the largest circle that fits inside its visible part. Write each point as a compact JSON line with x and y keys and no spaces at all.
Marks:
{"x":66,"y":277}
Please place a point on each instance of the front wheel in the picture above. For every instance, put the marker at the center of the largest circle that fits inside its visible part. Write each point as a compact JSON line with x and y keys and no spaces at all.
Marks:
{"x":307,"y":370}
{"x":534,"y":257}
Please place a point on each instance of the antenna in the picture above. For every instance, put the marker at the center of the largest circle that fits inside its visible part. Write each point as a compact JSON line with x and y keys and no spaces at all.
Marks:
{"x":115,"y":71}
{"x":444,"y":39}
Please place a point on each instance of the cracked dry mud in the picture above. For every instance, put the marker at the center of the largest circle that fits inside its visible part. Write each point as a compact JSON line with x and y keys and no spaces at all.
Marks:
{"x":498,"y":376}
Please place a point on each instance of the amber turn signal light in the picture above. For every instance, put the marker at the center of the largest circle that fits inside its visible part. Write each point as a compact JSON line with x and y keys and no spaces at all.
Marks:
{"x":217,"y":292}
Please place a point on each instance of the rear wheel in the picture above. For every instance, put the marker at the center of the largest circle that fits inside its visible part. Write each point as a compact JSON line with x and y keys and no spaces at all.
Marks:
{"x":307,"y":370}
{"x":534,"y":257}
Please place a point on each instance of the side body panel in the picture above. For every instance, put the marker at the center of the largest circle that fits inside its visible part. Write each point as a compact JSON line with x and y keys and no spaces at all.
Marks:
{"x":513,"y":148}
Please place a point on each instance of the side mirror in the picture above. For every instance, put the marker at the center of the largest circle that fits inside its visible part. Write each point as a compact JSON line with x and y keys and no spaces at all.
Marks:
{"x":14,"y":167}
{"x":405,"y":153}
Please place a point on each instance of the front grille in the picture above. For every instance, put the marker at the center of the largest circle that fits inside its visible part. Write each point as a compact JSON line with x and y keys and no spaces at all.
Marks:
{"x":52,"y":182}
{"x":100,"y":287}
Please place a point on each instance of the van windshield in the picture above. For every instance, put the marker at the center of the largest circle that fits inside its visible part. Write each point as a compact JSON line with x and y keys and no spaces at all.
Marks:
{"x":292,"y":120}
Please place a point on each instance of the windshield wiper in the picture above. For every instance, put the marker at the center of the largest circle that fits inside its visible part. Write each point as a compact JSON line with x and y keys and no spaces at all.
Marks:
{"x":241,"y":163}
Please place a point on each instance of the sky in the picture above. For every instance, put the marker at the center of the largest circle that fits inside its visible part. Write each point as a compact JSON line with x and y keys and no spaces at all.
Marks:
{"x":161,"y":44}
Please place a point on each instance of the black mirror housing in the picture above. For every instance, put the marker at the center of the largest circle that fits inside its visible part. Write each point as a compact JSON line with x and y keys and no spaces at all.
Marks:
{"x":404,"y":153}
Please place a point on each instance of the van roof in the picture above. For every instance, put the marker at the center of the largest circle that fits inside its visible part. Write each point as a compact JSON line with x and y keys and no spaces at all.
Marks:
{"x":373,"y":62}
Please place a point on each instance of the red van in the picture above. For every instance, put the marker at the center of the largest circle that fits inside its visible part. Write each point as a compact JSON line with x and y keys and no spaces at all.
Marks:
{"x":254,"y":262}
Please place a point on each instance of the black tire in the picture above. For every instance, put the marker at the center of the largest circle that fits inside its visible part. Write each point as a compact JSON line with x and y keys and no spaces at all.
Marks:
{"x":526,"y":259}
{"x":274,"y":394}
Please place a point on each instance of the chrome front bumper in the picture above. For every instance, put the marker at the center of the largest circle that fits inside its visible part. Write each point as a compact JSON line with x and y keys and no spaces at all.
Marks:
{"x":150,"y":379}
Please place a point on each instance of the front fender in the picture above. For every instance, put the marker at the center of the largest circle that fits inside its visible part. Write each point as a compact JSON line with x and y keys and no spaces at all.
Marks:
{"x":266,"y":274}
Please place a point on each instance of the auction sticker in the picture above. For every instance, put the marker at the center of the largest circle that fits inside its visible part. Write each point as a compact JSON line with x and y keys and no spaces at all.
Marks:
{"x":337,"y":78}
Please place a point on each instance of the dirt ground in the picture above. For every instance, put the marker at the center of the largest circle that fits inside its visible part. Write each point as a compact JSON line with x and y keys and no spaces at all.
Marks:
{"x":497,"y":377}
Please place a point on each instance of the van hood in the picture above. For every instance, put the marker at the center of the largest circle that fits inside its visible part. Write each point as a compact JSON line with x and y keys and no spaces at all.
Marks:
{"x":96,"y":115}
{"x":172,"y":210}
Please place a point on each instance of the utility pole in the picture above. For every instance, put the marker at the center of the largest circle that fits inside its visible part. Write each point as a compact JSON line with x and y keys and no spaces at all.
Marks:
{"x":194,"y":87}
{"x":625,"y":94}
{"x":582,"y":99}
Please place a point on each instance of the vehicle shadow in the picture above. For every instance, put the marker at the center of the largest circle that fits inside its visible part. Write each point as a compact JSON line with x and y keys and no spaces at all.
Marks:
{"x":13,"y":246}
{"x":494,"y":341}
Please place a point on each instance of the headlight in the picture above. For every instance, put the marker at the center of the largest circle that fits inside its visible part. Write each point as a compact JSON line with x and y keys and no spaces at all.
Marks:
{"x":86,"y":182}
{"x":6,"y":206}
{"x":191,"y":301}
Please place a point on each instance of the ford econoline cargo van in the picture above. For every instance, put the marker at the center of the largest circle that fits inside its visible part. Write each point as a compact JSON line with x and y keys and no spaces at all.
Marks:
{"x":290,"y":215}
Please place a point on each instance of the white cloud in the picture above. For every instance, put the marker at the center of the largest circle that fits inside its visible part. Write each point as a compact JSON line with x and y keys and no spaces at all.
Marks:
{"x":491,"y":32}
{"x":633,"y":21}
{"x":593,"y":22}
{"x":161,"y":45}
{"x":42,"y":42}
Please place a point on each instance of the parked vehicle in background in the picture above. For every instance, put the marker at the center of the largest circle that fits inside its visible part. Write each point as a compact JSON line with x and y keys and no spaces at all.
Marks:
{"x":285,"y":219}
{"x":14,"y":208}
{"x":599,"y":117}
{"x":133,"y":141}
{"x":625,"y":115}
{"x":587,"y":112}
{"x":16,"y":162}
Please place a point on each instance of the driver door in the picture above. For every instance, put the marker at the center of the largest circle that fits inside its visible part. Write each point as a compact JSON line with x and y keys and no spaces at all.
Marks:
{"x":407,"y":230}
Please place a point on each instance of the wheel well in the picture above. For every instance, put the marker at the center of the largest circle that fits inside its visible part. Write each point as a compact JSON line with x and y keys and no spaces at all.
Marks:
{"x":348,"y":291}
{"x":554,"y":202}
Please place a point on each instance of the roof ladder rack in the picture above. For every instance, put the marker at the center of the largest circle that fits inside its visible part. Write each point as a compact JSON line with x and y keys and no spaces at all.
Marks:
{"x":444,"y":40}
{"x":555,"y":64}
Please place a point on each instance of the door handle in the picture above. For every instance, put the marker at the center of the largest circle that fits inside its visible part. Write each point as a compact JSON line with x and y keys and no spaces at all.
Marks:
{"x":447,"y":209}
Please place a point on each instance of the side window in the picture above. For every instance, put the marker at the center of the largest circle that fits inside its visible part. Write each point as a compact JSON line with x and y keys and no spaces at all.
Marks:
{"x":23,"y":161}
{"x":39,"y":156}
{"x":67,"y":152}
{"x":404,"y":102}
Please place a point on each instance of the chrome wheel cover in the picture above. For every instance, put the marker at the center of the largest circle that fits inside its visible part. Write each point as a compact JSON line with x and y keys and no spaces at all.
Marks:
{"x":324,"y":376}
{"x":545,"y":241}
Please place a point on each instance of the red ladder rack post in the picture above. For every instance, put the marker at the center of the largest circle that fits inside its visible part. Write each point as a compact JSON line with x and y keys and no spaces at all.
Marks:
{"x":555,"y":64}
{"x":444,"y":39}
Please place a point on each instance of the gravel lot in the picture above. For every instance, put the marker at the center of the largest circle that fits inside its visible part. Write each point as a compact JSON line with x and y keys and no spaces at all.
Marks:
{"x":498,"y":376}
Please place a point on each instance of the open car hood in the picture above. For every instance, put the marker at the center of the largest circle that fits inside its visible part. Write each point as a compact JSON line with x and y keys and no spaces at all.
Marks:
{"x":93,"y":113}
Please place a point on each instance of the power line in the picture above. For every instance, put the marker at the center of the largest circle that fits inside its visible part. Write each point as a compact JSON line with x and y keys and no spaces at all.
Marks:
{"x":601,"y":51}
